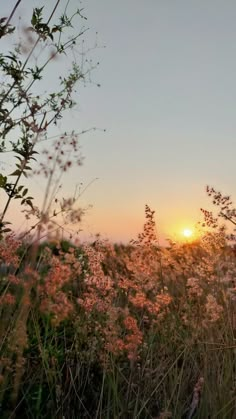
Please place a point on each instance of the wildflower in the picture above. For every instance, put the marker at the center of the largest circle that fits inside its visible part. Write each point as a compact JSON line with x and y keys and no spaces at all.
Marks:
{"x":139,"y":300}
{"x":194,"y":288}
{"x":7,"y":299}
{"x":8,"y":249}
{"x":213,"y":309}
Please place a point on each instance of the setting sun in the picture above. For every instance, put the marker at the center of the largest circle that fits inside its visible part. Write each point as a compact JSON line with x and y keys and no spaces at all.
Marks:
{"x":187,"y":233}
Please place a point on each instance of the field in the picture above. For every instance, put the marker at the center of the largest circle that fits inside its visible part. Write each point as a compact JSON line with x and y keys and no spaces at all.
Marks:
{"x":101,"y":330}
{"x":118,"y":331}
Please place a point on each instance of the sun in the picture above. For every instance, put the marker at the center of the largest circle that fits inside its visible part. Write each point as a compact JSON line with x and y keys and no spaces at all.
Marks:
{"x":187,"y":233}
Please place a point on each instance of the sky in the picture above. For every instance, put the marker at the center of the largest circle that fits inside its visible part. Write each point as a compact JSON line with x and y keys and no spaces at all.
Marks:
{"x":167,"y":101}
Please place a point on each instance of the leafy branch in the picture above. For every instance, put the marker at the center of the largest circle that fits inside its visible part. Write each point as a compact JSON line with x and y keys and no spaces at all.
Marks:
{"x":21,"y":110}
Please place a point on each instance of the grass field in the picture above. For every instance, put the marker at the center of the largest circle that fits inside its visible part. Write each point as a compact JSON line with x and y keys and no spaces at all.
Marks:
{"x":118,"y":331}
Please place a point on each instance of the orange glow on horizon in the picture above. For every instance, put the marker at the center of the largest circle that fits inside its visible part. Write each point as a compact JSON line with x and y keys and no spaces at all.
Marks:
{"x":183,"y":232}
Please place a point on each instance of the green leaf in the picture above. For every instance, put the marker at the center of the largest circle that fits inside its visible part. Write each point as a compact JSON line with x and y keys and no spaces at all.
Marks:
{"x":37,"y":16}
{"x":12,"y":57}
{"x":15,"y":173}
{"x":34,"y":19}
{"x":3,"y":181}
{"x":29,"y":203}
{"x":25,"y":192}
{"x":38,"y":11}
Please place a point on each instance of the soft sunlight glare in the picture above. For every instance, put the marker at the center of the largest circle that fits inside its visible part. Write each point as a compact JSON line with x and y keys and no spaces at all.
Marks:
{"x":187,"y":233}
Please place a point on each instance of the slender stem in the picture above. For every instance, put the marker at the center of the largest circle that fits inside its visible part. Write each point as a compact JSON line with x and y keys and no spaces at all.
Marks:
{"x":13,"y":12}
{"x":227,"y":218}
{"x":55,"y":8}
{"x":49,"y":184}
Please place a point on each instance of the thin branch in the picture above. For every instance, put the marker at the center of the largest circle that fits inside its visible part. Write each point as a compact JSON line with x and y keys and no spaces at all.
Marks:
{"x":13,"y":12}
{"x":55,"y":8}
{"x":227,"y":218}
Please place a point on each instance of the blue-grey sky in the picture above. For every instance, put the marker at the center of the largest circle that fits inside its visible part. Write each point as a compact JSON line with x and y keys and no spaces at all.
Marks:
{"x":167,"y":100}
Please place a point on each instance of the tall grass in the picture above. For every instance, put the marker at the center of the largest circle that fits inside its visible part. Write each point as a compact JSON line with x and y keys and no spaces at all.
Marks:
{"x":109,"y":331}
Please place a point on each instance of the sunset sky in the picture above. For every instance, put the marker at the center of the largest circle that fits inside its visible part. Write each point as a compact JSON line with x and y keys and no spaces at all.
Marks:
{"x":167,"y":101}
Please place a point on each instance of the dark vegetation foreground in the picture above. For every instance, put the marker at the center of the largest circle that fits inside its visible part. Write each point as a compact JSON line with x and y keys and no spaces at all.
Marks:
{"x":114,"y":331}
